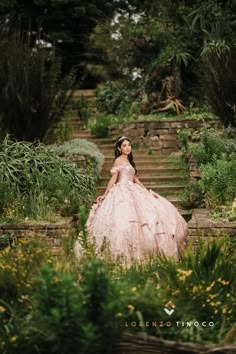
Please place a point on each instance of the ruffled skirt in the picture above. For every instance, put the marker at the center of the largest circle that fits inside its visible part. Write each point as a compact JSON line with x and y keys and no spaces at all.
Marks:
{"x":135,"y":223}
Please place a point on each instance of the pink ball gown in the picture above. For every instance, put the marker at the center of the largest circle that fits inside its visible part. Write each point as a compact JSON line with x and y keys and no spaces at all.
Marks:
{"x":135,"y":222}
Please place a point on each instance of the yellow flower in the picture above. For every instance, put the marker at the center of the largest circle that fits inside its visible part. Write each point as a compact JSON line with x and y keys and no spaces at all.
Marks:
{"x":176,"y":292}
{"x":216,"y":311}
{"x":131,"y":307}
{"x":195,"y":289}
{"x":182,"y":278}
{"x":224,"y":282}
{"x":2,"y":309}
{"x":184,"y":272}
{"x":134,"y":288}
{"x":13,"y":339}
{"x":210,"y":286}
{"x":119,"y":314}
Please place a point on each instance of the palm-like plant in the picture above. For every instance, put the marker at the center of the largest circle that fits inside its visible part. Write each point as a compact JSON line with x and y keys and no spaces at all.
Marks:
{"x":174,"y":103}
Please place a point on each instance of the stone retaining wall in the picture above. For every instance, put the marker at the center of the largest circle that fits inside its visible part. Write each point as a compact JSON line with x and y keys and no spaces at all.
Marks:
{"x":159,"y":135}
{"x":53,"y":233}
{"x":202,"y":226}
{"x":79,"y":160}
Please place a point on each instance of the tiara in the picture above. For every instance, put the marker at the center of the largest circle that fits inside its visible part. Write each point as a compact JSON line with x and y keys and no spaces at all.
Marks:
{"x":122,"y":137}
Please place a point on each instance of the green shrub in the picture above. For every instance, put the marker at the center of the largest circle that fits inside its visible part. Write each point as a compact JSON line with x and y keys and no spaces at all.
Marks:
{"x":99,"y":128}
{"x":6,"y":240}
{"x":80,"y":147}
{"x":216,"y":156}
{"x":211,"y":146}
{"x":114,"y":98}
{"x":192,"y":196}
{"x":218,"y":181}
{"x":35,"y":182}
{"x":183,"y":137}
{"x":56,"y":313}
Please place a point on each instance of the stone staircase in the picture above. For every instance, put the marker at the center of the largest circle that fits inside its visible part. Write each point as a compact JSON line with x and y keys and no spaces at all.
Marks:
{"x":159,"y":173}
{"x":155,"y":171}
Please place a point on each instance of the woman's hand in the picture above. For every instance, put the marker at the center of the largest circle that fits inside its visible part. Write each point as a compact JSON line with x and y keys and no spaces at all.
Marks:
{"x":153,"y":193}
{"x":100,"y":198}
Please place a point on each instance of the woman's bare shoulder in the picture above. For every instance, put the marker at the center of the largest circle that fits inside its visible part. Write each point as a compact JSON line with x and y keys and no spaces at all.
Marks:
{"x":118,"y":161}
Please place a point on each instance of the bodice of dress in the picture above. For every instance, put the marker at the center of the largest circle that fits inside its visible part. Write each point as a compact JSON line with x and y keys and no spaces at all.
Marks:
{"x":126,"y":172}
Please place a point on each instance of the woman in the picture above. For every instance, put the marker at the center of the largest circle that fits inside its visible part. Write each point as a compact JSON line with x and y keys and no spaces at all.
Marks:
{"x":132,"y":221}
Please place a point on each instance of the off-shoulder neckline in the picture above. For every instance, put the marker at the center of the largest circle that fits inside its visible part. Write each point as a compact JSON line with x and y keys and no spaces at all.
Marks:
{"x":124,"y":162}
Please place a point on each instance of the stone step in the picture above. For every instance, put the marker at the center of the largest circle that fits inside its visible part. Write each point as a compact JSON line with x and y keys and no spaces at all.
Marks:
{"x":141,"y":164}
{"x":148,"y":170}
{"x":158,"y":189}
{"x":85,"y":135}
{"x":86,"y":93}
{"x":81,"y":135}
{"x":110,"y":147}
{"x":149,"y":179}
{"x":136,"y":153}
{"x":138,"y":159}
{"x":172,"y":198}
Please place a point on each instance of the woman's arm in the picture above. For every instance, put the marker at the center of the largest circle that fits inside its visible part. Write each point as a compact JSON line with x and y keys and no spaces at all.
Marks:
{"x":136,"y":180}
{"x":110,"y":184}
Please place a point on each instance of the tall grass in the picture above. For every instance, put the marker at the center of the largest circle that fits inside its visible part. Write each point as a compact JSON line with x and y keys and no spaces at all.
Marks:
{"x":35,"y":182}
{"x":34,"y":93}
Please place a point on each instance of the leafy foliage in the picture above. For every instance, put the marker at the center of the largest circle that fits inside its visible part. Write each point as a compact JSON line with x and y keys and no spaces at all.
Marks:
{"x":33,"y":94}
{"x":213,"y":145}
{"x":192,"y":196}
{"x":189,"y":46}
{"x":115,"y":98}
{"x":67,"y":23}
{"x":44,"y":308}
{"x":219,"y":181}
{"x":219,"y":83}
{"x":141,"y":54}
{"x":216,"y":23}
{"x":35,"y":182}
{"x":100,"y":127}
{"x":216,"y":157}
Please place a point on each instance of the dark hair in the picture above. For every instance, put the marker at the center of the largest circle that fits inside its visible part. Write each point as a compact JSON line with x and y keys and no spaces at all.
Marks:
{"x":118,"y":144}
